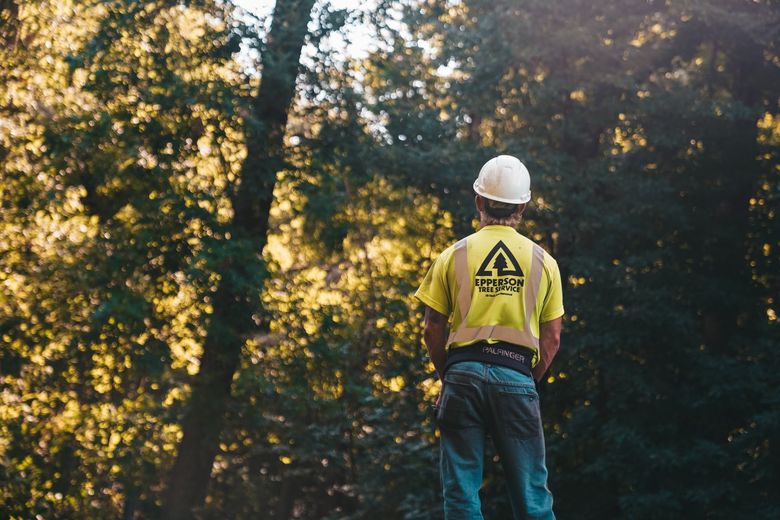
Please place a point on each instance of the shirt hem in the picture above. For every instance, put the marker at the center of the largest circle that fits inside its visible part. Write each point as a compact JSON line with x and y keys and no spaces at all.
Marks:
{"x":555,"y":317}
{"x":432,"y":304}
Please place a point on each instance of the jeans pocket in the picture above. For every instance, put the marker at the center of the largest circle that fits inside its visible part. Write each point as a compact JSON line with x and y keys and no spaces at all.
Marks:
{"x":519,"y":414}
{"x":457,"y":409}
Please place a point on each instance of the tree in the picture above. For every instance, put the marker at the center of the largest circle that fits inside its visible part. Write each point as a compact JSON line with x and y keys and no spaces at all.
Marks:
{"x":107,"y":180}
{"x":612,"y":106}
{"x":235,"y":299}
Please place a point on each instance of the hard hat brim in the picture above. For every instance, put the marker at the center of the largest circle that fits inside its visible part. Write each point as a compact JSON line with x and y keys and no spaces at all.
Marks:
{"x":481,"y":193}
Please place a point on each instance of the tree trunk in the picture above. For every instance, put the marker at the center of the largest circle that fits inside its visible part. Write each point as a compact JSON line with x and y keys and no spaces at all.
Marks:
{"x":236,"y":299}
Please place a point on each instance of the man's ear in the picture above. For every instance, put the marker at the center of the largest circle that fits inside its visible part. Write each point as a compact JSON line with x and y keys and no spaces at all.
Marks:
{"x":480,"y":203}
{"x":520,"y":209}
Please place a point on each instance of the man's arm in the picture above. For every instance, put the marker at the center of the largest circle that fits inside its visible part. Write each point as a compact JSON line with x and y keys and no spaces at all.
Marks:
{"x":549,"y":341}
{"x":435,"y":334}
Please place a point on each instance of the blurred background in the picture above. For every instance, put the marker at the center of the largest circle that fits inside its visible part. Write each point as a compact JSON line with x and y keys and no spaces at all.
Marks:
{"x":214,"y":215}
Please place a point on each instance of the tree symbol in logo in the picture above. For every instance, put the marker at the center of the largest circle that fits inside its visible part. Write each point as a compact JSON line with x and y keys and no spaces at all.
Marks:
{"x":500,"y":264}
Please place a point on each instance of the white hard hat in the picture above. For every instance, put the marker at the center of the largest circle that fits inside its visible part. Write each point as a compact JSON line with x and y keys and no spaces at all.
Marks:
{"x":505,"y":179}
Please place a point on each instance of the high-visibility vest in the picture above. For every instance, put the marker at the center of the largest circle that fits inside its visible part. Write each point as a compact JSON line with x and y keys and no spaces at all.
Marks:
{"x":466,"y":333}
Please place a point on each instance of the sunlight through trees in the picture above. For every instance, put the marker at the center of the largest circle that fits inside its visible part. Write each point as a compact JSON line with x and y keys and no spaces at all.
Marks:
{"x":212,"y":226}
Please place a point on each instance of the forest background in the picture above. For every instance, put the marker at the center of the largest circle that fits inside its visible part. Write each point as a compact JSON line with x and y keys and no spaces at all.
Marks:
{"x":212,"y":225}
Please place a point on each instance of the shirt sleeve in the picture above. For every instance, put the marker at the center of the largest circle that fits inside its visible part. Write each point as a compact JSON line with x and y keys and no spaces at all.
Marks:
{"x":552,"y":306}
{"x":434,"y":289}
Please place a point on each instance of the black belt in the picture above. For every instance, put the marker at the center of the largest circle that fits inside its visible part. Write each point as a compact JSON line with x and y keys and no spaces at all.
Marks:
{"x":501,"y":353}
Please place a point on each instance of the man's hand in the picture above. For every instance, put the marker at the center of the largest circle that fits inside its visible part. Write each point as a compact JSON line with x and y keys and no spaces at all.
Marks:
{"x":549,"y":342}
{"x":435,"y":335}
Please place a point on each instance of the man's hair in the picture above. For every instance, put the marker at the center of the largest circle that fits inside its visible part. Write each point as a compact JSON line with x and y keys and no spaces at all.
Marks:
{"x":500,"y":213}
{"x":499,"y":209}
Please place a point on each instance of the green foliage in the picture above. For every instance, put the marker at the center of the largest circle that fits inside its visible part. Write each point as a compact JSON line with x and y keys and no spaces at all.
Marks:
{"x":112,"y":200}
{"x":651,"y":131}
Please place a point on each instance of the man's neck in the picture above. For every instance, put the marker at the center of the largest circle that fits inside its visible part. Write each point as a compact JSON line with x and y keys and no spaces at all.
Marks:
{"x":487,"y":220}
{"x":483,"y":224}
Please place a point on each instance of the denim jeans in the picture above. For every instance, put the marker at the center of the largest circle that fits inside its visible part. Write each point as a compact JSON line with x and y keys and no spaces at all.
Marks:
{"x":480,"y":400}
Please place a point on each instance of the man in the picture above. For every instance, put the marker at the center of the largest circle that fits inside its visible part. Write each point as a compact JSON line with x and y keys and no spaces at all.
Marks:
{"x":502,"y":296}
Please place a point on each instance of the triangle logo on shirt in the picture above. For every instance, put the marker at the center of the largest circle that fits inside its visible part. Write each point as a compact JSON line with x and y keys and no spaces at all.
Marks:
{"x":501,"y":261}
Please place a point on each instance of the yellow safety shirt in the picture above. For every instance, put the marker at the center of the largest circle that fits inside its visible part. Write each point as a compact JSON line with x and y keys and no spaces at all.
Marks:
{"x":495,"y":285}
